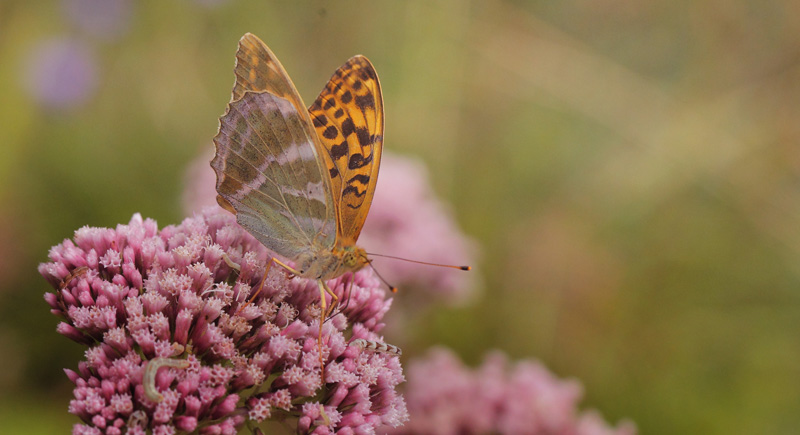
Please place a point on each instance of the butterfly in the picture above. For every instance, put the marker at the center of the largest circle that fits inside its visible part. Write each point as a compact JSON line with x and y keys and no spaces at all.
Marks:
{"x":301,"y":181}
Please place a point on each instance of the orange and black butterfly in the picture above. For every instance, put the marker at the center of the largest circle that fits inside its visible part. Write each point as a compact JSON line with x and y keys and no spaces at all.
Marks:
{"x":301,"y":181}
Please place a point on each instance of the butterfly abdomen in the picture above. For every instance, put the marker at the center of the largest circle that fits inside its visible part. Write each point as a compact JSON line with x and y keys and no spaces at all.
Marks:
{"x":319,"y":265}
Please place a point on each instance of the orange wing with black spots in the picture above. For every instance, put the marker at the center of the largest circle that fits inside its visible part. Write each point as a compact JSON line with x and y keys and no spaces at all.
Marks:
{"x":348,"y":116}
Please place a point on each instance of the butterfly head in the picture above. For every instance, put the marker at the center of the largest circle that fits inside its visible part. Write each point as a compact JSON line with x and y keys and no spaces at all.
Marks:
{"x":354,"y":258}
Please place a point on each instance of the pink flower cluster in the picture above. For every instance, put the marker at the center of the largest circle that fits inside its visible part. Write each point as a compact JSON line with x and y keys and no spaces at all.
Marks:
{"x":445,"y":397}
{"x":176,"y":300}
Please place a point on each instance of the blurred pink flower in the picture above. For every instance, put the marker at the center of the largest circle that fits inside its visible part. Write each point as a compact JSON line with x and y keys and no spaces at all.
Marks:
{"x":445,"y":397}
{"x":199,"y":184}
{"x":406,"y":220}
{"x":60,"y":73}
{"x":140,"y":299}
{"x":104,"y":19}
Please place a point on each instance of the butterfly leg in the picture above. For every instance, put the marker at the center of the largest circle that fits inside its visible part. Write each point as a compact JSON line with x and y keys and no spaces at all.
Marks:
{"x":324,"y":313}
{"x":348,"y":292}
{"x":290,"y":269}
{"x":260,"y":286}
{"x":264,"y":278}
{"x":334,"y":300}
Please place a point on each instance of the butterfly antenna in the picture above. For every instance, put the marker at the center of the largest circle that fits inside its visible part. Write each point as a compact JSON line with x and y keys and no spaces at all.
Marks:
{"x":391,"y":287}
{"x":422,"y":262}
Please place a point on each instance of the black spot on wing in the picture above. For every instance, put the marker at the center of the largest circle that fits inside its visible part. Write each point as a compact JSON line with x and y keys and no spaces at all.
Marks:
{"x":358,"y":161}
{"x":347,"y":97}
{"x":361,"y":178}
{"x":320,"y":120}
{"x":356,"y":85}
{"x":354,"y":190}
{"x":364,"y":138}
{"x":334,"y":172}
{"x":368,"y":74}
{"x":330,"y":132}
{"x":338,"y":151}
{"x":348,"y":127}
{"x":365,"y":102}
{"x":329,"y":103}
{"x":338,"y":113}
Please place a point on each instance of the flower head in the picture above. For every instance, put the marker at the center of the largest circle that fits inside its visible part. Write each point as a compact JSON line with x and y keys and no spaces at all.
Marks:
{"x":445,"y":397}
{"x":174,"y":345}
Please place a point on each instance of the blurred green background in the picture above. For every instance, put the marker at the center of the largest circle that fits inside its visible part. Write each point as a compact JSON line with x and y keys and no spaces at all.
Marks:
{"x":631,"y":170}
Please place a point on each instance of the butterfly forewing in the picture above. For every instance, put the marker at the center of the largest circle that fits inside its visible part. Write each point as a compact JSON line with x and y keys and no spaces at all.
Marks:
{"x":257,"y":69}
{"x":348,"y":117}
{"x":270,"y":171}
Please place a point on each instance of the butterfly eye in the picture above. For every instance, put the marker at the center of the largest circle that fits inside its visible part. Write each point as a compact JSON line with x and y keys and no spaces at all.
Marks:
{"x":350,"y":260}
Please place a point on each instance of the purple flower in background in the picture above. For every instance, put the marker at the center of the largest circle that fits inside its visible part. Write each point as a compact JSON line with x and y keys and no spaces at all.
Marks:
{"x":173,"y":344}
{"x":104,"y":19}
{"x":445,"y":397}
{"x":60,"y":73}
{"x":405,"y":220}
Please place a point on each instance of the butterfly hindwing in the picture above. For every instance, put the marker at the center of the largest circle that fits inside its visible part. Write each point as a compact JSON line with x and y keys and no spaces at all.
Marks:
{"x":348,"y":117}
{"x":270,"y":171}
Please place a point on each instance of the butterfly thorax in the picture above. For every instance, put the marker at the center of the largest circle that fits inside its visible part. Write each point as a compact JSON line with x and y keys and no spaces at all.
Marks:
{"x":328,"y":264}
